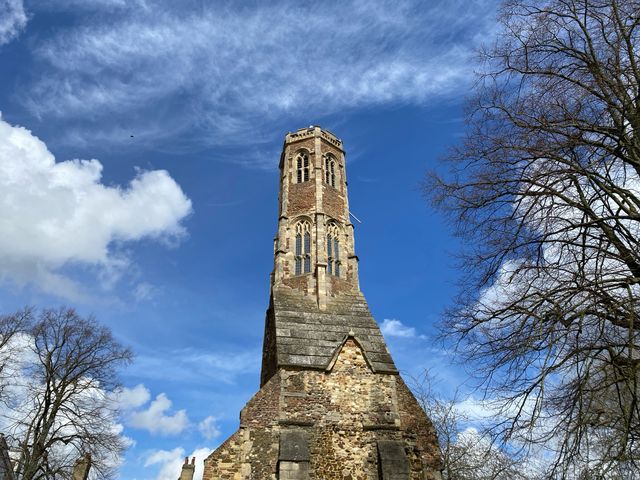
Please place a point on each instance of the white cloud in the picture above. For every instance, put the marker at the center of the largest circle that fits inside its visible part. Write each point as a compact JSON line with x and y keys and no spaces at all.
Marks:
{"x":129,"y":398}
{"x":171,"y":461}
{"x":55,"y":214}
{"x":129,"y":442}
{"x":476,"y":410}
{"x":395,"y":328}
{"x":154,"y":417}
{"x":84,"y":4}
{"x":155,"y":420}
{"x":238,"y":69}
{"x":13,"y":19}
{"x":208,"y":428}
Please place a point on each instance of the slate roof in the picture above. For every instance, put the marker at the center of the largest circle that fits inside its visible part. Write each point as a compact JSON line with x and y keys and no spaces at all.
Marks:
{"x":308,"y":337}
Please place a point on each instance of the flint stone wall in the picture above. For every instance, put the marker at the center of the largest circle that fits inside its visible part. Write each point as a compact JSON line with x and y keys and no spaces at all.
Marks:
{"x":343,"y":413}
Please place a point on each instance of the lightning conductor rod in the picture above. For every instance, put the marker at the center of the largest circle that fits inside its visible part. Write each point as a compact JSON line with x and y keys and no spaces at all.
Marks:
{"x":356,"y":218}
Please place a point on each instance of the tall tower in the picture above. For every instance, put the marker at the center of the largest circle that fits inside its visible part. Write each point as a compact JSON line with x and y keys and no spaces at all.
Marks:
{"x":332,"y":404}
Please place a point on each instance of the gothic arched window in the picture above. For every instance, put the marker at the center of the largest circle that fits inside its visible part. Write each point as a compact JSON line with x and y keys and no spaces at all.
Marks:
{"x":333,"y":250}
{"x":329,"y":171}
{"x":302,"y":167}
{"x":303,"y":247}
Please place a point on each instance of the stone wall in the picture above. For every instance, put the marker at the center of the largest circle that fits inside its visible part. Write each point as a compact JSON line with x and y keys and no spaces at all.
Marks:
{"x":299,"y":282}
{"x":301,"y":198}
{"x":333,"y":203}
{"x":343,"y":413}
{"x":339,"y":285}
{"x":423,"y":433}
{"x":251,"y":452}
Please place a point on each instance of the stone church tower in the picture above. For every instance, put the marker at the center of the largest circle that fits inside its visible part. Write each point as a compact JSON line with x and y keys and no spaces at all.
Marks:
{"x":331,"y":403}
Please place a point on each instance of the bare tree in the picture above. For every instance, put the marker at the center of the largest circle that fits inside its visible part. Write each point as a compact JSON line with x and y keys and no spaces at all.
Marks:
{"x":10,"y":327}
{"x":58,"y":404}
{"x":467,"y":454}
{"x":545,"y":190}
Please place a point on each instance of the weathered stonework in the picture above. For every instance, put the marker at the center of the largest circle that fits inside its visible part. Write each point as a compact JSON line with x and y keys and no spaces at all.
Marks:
{"x":301,"y":198}
{"x":188,"y":469}
{"x":332,"y":404}
{"x":333,"y":203}
{"x":344,"y":412}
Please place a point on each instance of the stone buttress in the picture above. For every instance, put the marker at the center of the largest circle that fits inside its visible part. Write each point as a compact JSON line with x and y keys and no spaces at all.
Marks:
{"x":331,"y":404}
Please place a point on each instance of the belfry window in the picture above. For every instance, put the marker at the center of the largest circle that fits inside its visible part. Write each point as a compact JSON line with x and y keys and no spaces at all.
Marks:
{"x":303,"y":248}
{"x":329,"y":171}
{"x":333,"y":250}
{"x":302,"y":167}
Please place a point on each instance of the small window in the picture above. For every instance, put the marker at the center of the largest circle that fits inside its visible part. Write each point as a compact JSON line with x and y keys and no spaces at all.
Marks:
{"x":303,"y":248}
{"x":329,"y":171}
{"x":333,"y":250}
{"x":302,"y":167}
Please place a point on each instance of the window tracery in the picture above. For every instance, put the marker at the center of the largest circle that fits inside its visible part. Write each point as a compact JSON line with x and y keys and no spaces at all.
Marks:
{"x":333,"y":250}
{"x":303,"y":247}
{"x":302,"y":167}
{"x":329,"y":170}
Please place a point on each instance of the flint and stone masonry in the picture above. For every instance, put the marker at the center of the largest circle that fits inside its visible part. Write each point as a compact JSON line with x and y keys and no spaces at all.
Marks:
{"x":331,"y":404}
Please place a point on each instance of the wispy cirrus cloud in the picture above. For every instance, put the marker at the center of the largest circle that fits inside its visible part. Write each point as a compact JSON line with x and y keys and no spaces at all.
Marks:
{"x":214,"y":71}
{"x":40,"y":5}
{"x":195,"y":366}
{"x":13,"y":19}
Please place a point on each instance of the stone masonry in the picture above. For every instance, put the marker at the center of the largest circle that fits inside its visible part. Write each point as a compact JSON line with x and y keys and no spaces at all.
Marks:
{"x":332,"y":404}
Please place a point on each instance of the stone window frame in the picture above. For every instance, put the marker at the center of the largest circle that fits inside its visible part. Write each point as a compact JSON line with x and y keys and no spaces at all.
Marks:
{"x":302,"y":242}
{"x":302,"y":166}
{"x":334,"y":264}
{"x":331,"y":170}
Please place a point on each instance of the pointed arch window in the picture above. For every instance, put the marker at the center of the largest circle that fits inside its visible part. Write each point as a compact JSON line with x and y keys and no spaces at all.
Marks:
{"x":302,"y":167}
{"x":333,"y":250}
{"x":303,"y":248}
{"x":329,"y":171}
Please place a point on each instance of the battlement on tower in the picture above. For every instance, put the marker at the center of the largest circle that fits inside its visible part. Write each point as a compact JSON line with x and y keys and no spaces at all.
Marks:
{"x":313,"y":131}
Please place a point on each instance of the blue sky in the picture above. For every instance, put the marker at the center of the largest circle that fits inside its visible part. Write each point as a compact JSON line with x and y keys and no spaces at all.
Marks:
{"x":139,"y":143}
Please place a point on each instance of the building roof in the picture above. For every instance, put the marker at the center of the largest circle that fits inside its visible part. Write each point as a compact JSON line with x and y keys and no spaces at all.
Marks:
{"x":305,"y":336}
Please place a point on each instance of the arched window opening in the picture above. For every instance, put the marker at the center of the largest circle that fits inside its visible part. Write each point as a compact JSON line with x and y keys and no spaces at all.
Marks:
{"x":302,"y":167}
{"x":333,"y":250}
{"x":330,"y":171}
{"x":303,"y":248}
